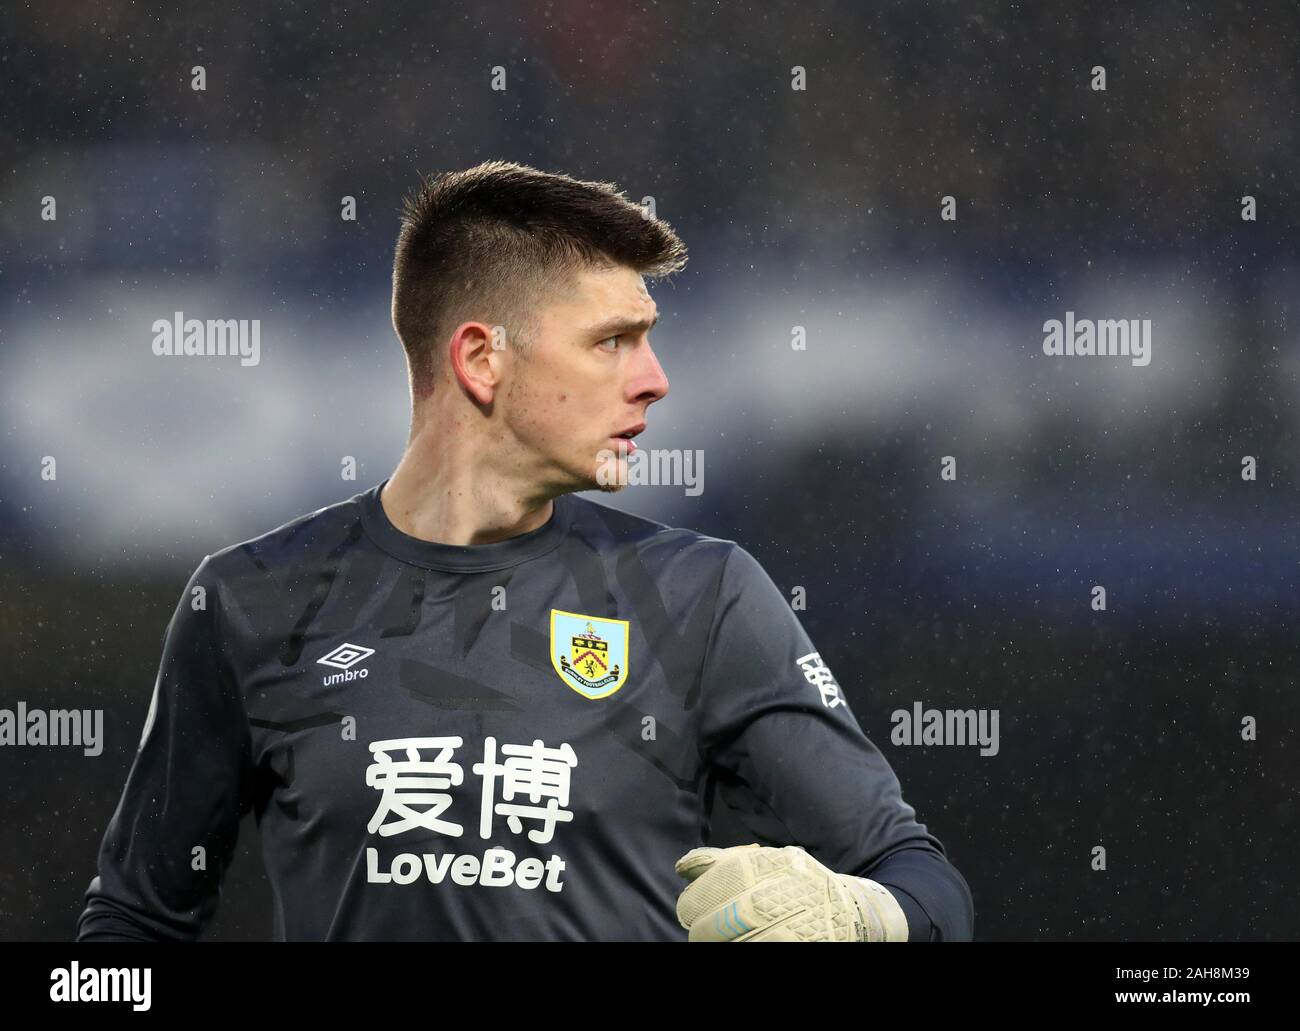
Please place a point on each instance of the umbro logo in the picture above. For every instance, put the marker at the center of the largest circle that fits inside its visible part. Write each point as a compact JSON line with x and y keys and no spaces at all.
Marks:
{"x":346,"y":655}
{"x":343,"y":657}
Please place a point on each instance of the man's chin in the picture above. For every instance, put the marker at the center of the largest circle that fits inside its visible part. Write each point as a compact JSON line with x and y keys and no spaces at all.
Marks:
{"x":608,"y":478}
{"x":611,"y":473}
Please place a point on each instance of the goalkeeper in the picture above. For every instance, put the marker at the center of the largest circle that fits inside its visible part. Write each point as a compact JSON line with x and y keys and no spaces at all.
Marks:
{"x":467,"y":702}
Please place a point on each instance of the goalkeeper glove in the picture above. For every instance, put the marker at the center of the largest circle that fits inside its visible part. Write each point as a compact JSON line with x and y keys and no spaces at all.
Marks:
{"x":759,"y":893}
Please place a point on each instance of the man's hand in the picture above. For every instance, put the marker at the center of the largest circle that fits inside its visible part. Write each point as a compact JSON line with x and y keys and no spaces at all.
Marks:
{"x":758,"y":893}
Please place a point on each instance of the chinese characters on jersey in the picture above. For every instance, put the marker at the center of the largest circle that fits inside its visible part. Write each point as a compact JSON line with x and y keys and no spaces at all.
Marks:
{"x":528,"y":785}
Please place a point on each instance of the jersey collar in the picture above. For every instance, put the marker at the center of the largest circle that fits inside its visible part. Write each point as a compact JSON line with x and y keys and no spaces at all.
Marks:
{"x":470,"y":558}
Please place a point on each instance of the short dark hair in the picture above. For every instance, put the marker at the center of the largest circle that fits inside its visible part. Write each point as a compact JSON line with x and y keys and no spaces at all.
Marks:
{"x":488,"y":241}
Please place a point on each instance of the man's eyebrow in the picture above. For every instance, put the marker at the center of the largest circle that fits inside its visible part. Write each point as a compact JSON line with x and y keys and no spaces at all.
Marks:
{"x":619,"y":325}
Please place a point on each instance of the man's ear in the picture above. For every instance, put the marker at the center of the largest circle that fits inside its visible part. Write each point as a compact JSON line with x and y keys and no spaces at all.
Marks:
{"x":477,"y":360}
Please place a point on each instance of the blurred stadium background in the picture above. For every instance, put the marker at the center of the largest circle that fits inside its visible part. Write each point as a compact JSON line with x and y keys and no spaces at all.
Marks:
{"x":817,"y":209}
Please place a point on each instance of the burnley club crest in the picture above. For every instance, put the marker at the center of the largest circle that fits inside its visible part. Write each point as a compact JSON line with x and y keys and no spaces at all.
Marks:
{"x":589,"y":652}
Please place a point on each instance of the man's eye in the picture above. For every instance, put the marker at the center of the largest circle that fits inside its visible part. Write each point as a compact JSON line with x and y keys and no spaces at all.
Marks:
{"x":612,"y":341}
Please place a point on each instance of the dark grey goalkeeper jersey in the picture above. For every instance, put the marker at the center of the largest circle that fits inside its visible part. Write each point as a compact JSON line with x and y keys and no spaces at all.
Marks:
{"x":507,"y":741}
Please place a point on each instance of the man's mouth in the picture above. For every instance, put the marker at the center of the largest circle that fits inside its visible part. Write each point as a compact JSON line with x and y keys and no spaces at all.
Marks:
{"x":624,"y":439}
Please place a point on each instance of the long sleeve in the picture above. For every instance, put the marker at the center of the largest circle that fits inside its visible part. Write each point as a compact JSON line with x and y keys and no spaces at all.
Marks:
{"x":174,"y":831}
{"x":791,"y":757}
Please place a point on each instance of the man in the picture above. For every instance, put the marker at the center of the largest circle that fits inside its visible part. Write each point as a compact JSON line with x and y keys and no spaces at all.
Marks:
{"x":467,"y":704}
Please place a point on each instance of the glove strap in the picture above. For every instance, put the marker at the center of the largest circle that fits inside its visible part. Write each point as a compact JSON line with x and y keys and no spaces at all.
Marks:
{"x":883,"y":916}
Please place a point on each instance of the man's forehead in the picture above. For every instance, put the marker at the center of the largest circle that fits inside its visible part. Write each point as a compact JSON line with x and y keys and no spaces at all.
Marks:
{"x":611,"y":285}
{"x":600,"y":296}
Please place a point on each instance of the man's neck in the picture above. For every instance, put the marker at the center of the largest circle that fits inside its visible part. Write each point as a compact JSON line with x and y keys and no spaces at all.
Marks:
{"x":447,"y":497}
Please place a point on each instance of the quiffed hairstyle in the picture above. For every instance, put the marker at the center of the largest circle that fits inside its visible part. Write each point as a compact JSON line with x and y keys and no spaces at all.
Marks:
{"x":488,"y":242}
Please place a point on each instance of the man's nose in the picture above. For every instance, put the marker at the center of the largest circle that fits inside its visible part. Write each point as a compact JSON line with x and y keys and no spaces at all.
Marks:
{"x":648,"y":383}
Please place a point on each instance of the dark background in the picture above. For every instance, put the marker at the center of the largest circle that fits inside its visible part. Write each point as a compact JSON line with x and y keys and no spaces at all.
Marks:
{"x":817,"y":208}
